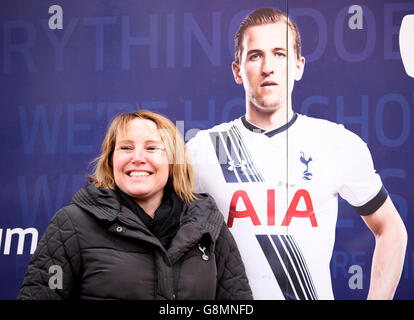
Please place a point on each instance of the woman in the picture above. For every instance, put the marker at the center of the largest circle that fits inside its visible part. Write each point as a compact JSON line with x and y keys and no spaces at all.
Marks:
{"x":136,"y":230}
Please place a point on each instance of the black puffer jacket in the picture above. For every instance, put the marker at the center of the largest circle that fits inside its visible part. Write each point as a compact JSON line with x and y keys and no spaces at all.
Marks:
{"x":106,"y":252}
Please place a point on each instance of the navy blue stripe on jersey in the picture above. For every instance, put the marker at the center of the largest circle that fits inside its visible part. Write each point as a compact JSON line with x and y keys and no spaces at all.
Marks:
{"x":233,"y":157}
{"x":256,"y":173}
{"x":303,"y":262}
{"x":308,"y":276}
{"x":239,"y":157}
{"x":235,"y":163}
{"x":238,"y":161}
{"x":288,"y":266}
{"x":374,"y":204}
{"x":301,"y":267}
{"x":223,"y":156}
{"x":270,"y":133}
{"x":277,"y":265}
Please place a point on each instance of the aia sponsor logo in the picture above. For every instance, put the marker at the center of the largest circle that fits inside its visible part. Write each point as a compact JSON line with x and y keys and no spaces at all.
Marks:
{"x":292,"y":211}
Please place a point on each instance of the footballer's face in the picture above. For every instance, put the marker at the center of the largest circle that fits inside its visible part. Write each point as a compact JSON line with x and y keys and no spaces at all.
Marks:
{"x":268,"y":67}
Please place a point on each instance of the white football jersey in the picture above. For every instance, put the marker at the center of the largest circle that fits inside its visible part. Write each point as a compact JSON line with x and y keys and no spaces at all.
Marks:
{"x":278,"y":191}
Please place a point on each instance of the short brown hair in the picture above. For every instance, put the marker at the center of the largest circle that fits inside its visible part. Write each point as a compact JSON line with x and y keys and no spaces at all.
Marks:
{"x":180,"y":169}
{"x":260,"y":17}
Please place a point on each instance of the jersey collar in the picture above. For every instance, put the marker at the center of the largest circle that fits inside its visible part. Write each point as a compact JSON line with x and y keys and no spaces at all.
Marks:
{"x":270,"y":133}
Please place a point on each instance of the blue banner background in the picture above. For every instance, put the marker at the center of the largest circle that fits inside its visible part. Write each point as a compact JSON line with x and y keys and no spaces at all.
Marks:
{"x":60,"y":88}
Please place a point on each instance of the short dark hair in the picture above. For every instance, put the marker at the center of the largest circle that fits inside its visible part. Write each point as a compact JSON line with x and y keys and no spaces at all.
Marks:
{"x":260,"y":17}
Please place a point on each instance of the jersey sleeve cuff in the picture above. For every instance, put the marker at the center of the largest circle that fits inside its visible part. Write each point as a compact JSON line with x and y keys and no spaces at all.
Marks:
{"x":374,"y":204}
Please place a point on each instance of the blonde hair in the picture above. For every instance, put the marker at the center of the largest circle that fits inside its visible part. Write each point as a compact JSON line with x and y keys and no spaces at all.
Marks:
{"x":260,"y":17}
{"x":180,"y":169}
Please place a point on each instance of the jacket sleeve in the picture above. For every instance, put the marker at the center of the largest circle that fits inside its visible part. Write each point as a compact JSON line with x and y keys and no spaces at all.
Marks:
{"x":232,"y":282}
{"x":55,"y":265}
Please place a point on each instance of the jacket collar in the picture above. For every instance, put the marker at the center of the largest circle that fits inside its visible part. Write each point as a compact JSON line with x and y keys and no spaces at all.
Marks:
{"x":100,"y":202}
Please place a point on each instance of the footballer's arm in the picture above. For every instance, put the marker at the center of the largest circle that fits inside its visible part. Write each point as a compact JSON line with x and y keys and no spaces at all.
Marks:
{"x":390,"y":245}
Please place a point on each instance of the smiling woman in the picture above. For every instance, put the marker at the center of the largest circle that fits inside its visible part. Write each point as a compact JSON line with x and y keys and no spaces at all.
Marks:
{"x":139,"y":153}
{"x":160,"y":133}
{"x":137,"y":230}
{"x":140,"y":164}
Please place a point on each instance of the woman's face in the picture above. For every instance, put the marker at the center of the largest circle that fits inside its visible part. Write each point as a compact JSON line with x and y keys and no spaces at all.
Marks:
{"x":140,"y":162}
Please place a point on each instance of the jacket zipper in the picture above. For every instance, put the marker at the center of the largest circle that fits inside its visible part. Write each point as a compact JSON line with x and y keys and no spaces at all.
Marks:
{"x":176,"y":278}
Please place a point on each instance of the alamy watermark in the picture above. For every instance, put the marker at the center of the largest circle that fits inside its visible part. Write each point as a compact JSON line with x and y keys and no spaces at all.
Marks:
{"x":356,"y":20}
{"x":356,"y":280}
{"x":56,"y":278}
